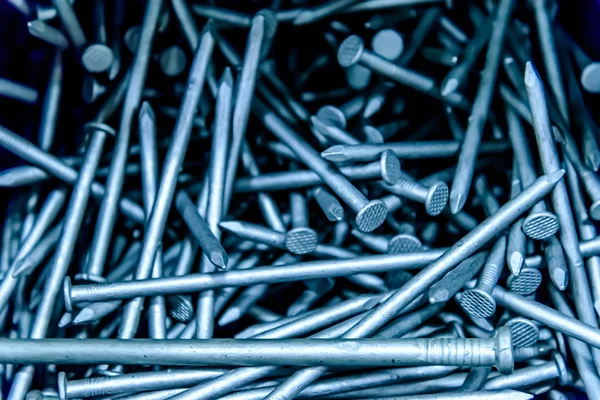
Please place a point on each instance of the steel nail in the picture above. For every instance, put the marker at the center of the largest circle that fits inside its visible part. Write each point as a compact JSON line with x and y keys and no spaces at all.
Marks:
{"x":479,"y":112}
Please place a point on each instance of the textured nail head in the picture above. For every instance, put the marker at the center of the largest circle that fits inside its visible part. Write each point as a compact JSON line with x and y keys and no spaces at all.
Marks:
{"x":97,"y":58}
{"x":437,"y":198}
{"x":371,"y":216}
{"x":478,"y":303}
{"x":540,"y":225}
{"x":301,"y":240}
{"x":526,"y":283}
{"x":180,"y":307}
{"x":390,"y":168}
{"x":524,"y":332}
{"x":350,"y":51}
{"x":403,"y":243}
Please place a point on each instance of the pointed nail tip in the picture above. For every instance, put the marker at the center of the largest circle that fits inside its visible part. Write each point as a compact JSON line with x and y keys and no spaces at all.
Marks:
{"x":85,"y":315}
{"x":531,"y":76}
{"x":227,"y":78}
{"x":304,"y":17}
{"x":146,"y":111}
{"x":515,"y":263}
{"x":219,"y":259}
{"x":449,"y":86}
{"x":229,"y":316}
{"x":21,"y":269}
{"x":457,"y":202}
{"x":556,"y":176}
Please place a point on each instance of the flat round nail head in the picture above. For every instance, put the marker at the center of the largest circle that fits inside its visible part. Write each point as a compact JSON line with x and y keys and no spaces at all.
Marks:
{"x":478,"y":303}
{"x":388,"y":44}
{"x":332,"y":116}
{"x":350,"y":51}
{"x":526,"y":283}
{"x":301,"y":240}
{"x":590,"y":77}
{"x":403,"y":243}
{"x":371,"y":216}
{"x":390,"y":168}
{"x":437,"y":198}
{"x":524,"y":332}
{"x":173,"y":61}
{"x":180,"y":307}
{"x":97,"y":58}
{"x":540,"y":225}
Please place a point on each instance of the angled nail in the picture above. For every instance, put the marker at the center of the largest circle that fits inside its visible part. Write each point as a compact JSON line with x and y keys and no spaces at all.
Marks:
{"x":479,"y":112}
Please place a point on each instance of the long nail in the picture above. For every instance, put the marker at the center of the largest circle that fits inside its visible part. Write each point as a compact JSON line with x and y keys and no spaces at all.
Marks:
{"x":243,"y":101}
{"x":479,"y":112}
{"x":114,"y":181}
{"x":404,"y":150}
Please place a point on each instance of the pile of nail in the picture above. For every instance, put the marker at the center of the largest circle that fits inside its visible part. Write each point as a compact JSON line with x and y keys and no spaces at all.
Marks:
{"x":400,"y":195}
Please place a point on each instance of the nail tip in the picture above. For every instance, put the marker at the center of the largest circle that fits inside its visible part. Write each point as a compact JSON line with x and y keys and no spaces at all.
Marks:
{"x":146,"y":111}
{"x":457,"y":202}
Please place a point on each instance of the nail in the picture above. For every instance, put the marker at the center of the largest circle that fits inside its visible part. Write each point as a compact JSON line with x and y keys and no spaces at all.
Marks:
{"x":478,"y":301}
{"x":555,"y":260}
{"x":526,"y":283}
{"x":401,"y":243}
{"x":497,"y":351}
{"x":388,"y":44}
{"x":157,"y":312}
{"x":259,"y":33}
{"x":47,"y":33}
{"x":404,"y":150}
{"x":479,"y":112}
{"x":301,"y":239}
{"x":516,"y":242}
{"x":201,"y":230}
{"x":173,"y":61}
{"x":114,"y":182}
{"x":524,"y":332}
{"x":331,"y":207}
{"x":434,"y":197}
